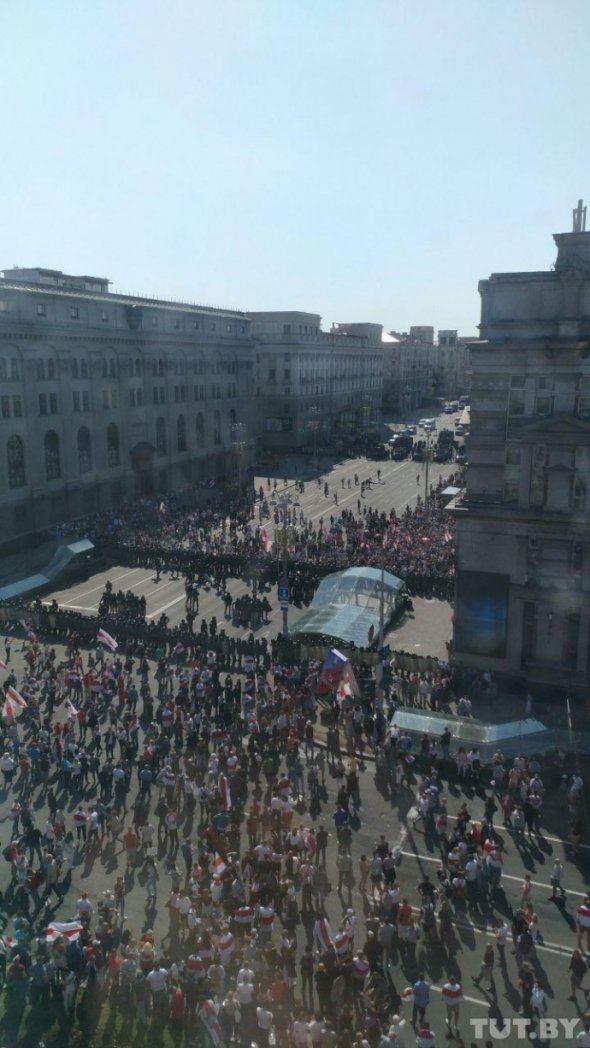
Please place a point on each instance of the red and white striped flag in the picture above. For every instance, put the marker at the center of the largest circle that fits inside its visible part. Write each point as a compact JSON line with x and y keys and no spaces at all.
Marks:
{"x":8,"y":710}
{"x":322,"y":933}
{"x":266,"y":540}
{"x":73,"y":712}
{"x":219,"y":866}
{"x":70,"y":930}
{"x":105,"y":638}
{"x":225,"y":792}
{"x":3,"y":665}
{"x":14,"y":696}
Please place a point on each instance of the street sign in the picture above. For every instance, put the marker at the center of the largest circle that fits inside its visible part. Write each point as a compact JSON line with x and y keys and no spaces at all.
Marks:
{"x":284,"y":593}
{"x":284,"y":605}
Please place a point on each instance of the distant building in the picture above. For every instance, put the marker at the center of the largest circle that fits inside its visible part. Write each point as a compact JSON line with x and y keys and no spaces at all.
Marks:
{"x":106,"y":396}
{"x":312,"y":386}
{"x":417,"y":369}
{"x":523,"y":556}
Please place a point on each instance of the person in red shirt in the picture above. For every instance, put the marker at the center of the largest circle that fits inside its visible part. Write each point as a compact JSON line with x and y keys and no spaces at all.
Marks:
{"x":177,"y":1011}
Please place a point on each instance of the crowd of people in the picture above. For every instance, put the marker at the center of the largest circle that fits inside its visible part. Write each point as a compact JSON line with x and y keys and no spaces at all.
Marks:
{"x":230,"y":818}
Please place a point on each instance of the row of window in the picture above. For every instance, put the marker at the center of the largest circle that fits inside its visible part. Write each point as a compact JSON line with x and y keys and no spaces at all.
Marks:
{"x":558,"y":478}
{"x":46,"y":368}
{"x":535,"y":395}
{"x":41,"y":309}
{"x":15,"y":449}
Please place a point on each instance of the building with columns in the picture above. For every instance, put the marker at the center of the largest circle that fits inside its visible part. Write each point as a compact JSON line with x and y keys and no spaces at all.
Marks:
{"x":105,"y":396}
{"x":523,"y":544}
{"x":314,"y":386}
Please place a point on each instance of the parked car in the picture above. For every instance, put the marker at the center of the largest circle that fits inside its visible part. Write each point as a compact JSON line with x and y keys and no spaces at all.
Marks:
{"x":461,"y":457}
{"x":459,"y":431}
{"x":443,"y":453}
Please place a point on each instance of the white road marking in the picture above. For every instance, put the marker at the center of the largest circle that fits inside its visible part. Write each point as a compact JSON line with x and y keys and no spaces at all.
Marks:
{"x":165,"y":607}
{"x":544,"y":837}
{"x":505,"y":876}
{"x":94,"y":589}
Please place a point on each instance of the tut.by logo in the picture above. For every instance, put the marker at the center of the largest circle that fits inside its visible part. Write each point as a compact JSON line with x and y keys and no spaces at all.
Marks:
{"x":521,"y":1029}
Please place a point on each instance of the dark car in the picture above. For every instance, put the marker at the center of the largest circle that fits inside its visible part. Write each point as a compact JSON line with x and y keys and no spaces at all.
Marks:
{"x":377,"y":452}
{"x":443,"y":453}
{"x":400,"y":452}
{"x":417,"y":454}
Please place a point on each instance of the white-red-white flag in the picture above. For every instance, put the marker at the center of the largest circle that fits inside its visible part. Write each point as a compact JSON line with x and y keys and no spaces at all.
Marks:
{"x":105,"y":638}
{"x":70,"y":930}
{"x":3,"y":665}
{"x":73,"y":712}
{"x":14,"y":696}
{"x":219,"y":866}
{"x":266,"y":540}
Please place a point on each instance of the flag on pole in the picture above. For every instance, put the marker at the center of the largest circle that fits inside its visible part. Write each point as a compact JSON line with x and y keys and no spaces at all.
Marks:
{"x":105,"y":638}
{"x":334,"y":663}
{"x":225,"y":792}
{"x":8,"y":710}
{"x":3,"y":665}
{"x":322,"y":933}
{"x":266,"y":540}
{"x":349,"y":678}
{"x":69,"y":930}
{"x":219,"y":866}
{"x":13,"y":695}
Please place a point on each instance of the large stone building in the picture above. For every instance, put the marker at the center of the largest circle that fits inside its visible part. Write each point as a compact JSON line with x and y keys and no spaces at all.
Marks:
{"x":417,"y":370}
{"x":523,"y":559}
{"x":104,"y":396}
{"x":314,"y":386}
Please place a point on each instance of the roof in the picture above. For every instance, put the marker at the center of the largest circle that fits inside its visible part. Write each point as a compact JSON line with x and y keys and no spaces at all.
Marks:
{"x":115,"y":297}
{"x":346,"y":605}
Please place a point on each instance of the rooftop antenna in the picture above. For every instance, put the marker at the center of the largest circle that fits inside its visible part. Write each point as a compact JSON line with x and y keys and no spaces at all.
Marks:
{"x":579,"y":218}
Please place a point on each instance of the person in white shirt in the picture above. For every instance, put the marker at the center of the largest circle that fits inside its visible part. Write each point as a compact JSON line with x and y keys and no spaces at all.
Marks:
{"x":264,"y":1020}
{"x":299,"y":1032}
{"x":245,"y":992}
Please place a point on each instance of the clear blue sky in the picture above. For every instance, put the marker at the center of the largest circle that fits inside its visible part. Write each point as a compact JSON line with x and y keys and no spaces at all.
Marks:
{"x":364,"y":159}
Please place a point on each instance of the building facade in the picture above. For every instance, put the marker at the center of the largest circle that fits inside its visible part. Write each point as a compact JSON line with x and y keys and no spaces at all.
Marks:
{"x":523,"y":556}
{"x":105,"y":396}
{"x":419,"y":369}
{"x":313,"y":387}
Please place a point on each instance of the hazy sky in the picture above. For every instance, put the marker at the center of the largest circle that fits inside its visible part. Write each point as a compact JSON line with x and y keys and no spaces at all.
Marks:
{"x":364,"y":159}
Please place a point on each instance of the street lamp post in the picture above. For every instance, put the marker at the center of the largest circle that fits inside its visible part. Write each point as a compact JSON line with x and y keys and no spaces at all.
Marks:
{"x":283,"y":503}
{"x":427,"y":461}
{"x":238,"y":442}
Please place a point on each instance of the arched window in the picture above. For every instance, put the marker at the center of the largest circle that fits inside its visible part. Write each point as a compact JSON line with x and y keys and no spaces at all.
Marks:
{"x":113,"y":445}
{"x":40,"y":369}
{"x":216,"y":427}
{"x":52,"y":462}
{"x":15,"y":451}
{"x":181,"y":433}
{"x":14,"y":368}
{"x":51,"y":368}
{"x":74,"y":369}
{"x":200,"y":430}
{"x":160,"y":437}
{"x":83,"y":368}
{"x":84,"y":450}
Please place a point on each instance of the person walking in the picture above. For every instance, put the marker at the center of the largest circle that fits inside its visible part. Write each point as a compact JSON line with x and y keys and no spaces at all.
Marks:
{"x":421,"y":991}
{"x":486,"y":970}
{"x":452,"y":995}
{"x":556,"y":878}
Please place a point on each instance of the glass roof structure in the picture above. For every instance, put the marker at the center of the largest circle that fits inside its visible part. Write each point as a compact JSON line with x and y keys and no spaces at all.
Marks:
{"x":513,"y":737}
{"x":346,"y":605}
